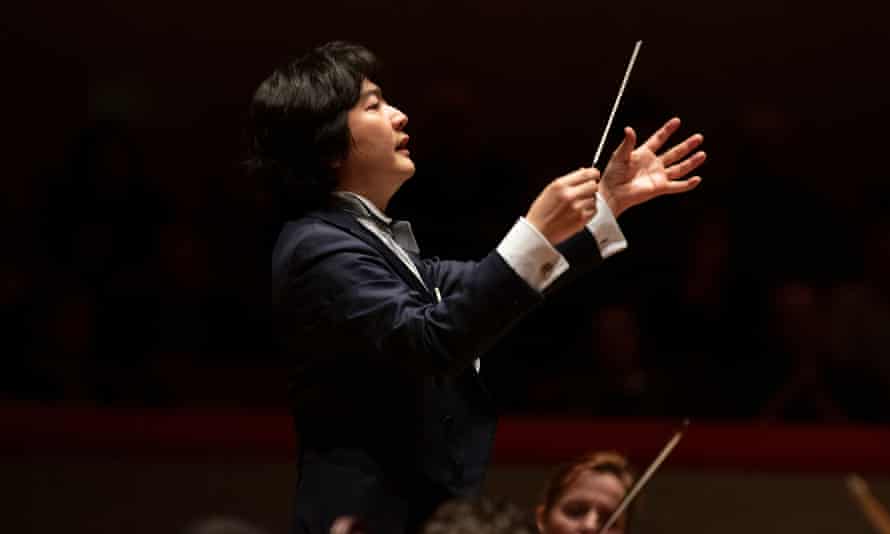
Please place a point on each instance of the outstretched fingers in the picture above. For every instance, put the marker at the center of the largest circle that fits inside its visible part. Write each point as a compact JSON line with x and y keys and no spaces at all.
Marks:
{"x":674,"y":172}
{"x":680,"y":151}
{"x":659,"y":138}
{"x":681,"y":186}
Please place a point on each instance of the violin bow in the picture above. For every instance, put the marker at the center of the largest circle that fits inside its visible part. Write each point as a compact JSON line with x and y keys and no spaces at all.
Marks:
{"x":638,"y":485}
{"x":872,"y":508}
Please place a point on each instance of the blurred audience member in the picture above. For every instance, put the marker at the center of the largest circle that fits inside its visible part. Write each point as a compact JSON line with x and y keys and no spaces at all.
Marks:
{"x":858,"y":315}
{"x":800,"y":327}
{"x":624,"y":384}
{"x":100,"y":233}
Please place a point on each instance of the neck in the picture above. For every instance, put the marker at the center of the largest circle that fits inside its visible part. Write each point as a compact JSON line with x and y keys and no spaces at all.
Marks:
{"x":380,"y":201}
{"x":371,"y":190}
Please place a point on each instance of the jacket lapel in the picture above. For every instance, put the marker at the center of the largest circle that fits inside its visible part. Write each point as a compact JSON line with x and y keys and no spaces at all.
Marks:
{"x":347,"y":222}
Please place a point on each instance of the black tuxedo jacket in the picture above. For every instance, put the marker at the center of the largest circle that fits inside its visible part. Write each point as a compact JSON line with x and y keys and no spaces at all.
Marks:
{"x":390,"y":414}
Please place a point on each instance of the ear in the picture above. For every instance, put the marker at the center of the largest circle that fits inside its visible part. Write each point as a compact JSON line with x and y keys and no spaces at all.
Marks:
{"x":539,"y":518}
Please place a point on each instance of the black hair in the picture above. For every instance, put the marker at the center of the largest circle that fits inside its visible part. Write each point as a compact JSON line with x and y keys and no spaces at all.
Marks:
{"x":298,"y":125}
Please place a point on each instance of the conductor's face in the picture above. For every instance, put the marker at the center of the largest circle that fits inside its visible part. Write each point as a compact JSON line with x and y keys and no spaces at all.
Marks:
{"x":379,"y":149}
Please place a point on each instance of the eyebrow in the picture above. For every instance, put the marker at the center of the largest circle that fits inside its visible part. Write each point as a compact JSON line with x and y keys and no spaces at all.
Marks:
{"x":375,"y":92}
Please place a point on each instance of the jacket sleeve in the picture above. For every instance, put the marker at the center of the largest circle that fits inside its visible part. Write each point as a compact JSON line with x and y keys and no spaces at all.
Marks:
{"x":340,"y":287}
{"x":581,"y":251}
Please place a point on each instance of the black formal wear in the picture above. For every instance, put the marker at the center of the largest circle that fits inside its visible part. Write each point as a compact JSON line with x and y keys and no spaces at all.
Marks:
{"x":391,"y":417}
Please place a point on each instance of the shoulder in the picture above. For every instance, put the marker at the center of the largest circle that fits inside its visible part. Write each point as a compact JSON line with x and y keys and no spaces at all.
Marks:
{"x":310,"y":230}
{"x":318,"y":239}
{"x":312,"y":234}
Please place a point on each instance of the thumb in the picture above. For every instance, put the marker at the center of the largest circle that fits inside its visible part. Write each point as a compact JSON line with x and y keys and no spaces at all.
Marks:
{"x":622,"y":153}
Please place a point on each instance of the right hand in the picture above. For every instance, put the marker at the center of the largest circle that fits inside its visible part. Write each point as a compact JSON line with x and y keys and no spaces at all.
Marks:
{"x":565,"y":205}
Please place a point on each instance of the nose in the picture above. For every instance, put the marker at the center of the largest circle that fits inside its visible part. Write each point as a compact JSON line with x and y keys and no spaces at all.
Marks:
{"x":591,"y":522}
{"x":399,"y":119}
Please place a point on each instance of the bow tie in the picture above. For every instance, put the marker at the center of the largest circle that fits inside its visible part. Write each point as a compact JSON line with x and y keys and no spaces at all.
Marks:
{"x":399,"y":231}
{"x":403,"y":235}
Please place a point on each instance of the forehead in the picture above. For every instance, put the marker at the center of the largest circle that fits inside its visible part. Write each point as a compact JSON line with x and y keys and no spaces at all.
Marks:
{"x":600,"y":488}
{"x":369,"y":88}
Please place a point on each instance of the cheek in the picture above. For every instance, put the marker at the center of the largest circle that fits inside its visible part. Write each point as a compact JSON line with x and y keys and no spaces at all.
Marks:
{"x":559,"y":523}
{"x":372,"y":138}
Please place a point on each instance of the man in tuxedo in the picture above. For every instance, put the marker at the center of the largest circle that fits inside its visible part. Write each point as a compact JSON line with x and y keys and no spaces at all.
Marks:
{"x":391,"y":416}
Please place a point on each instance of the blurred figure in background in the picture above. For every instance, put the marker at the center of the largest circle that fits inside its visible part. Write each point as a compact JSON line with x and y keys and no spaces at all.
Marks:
{"x":223,"y":525}
{"x":101,"y":230}
{"x":624,"y":382}
{"x":479,"y":516}
{"x":580,"y":497}
{"x":801,"y":326}
{"x":348,"y":524}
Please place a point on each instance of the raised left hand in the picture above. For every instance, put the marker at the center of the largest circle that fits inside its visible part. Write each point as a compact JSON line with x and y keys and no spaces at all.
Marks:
{"x":635,"y":175}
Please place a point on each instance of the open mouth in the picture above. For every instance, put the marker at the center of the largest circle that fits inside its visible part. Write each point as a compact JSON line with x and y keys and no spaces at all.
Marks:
{"x":402,"y":146}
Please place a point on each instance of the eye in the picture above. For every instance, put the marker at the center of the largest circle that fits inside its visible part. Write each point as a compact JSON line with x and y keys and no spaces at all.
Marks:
{"x":575,"y":510}
{"x":374,"y":105}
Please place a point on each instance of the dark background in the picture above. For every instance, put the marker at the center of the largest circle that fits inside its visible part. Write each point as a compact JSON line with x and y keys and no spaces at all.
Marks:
{"x":137,"y":252}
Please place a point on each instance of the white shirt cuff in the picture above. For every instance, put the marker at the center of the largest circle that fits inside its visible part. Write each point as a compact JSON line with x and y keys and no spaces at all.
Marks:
{"x":531,"y":256}
{"x":605,"y":230}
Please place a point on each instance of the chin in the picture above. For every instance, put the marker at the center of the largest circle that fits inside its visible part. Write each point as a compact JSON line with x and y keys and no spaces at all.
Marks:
{"x":409,"y":169}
